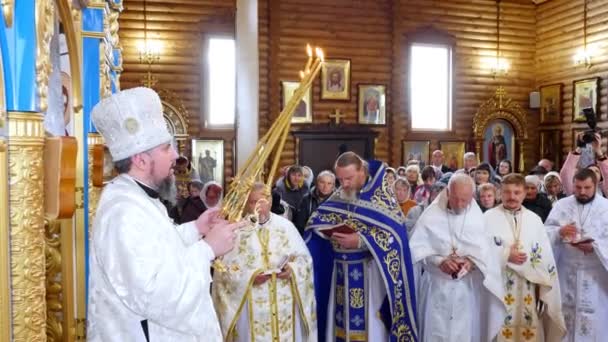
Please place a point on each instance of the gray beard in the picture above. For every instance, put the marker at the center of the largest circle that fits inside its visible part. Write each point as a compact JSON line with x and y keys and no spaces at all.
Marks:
{"x":167,"y":190}
{"x":348,"y":196}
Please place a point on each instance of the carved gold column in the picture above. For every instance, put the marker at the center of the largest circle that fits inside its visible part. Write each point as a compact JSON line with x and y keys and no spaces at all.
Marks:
{"x":54,"y":287}
{"x":5,"y":293}
{"x":26,"y":208}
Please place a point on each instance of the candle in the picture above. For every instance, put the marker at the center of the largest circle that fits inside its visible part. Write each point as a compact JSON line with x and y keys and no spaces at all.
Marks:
{"x":309,"y":52}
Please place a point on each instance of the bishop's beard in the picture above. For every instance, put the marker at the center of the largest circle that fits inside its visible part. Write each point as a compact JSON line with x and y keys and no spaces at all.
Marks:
{"x":167,"y":190}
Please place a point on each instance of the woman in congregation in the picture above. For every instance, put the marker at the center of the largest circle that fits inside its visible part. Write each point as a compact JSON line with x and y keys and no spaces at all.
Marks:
{"x":504,"y":168}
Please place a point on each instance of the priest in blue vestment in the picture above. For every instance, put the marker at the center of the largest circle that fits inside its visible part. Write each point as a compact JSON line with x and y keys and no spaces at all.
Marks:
{"x":363,"y":274}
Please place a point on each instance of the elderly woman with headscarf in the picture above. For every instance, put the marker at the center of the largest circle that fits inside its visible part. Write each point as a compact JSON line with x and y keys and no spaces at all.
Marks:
{"x":212,"y":194}
{"x":535,"y":200}
{"x":553,"y":187}
{"x":412,"y":175}
{"x":402,"y":190}
{"x":390,"y":174}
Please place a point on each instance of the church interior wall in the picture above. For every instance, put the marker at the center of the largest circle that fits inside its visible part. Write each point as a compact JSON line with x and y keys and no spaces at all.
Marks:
{"x":538,"y":40}
{"x":559,"y":33}
{"x":181,"y":28}
{"x":374,"y":36}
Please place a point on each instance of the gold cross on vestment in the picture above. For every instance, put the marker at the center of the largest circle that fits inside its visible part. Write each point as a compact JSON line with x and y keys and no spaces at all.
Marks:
{"x":336,"y":116}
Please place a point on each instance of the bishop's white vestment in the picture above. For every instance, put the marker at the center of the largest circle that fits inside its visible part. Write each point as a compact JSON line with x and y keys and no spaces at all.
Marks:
{"x":145,"y":271}
{"x":468,"y":308}
{"x":532,"y":292}
{"x":583,"y":277}
{"x":277,"y":310}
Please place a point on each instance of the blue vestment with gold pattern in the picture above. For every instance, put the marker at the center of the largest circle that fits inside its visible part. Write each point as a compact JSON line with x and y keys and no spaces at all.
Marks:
{"x":378,"y":219}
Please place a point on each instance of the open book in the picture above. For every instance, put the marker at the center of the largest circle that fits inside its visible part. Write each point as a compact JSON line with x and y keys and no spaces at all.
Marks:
{"x":280,"y":267}
{"x":582,"y":240}
{"x":339,"y":228}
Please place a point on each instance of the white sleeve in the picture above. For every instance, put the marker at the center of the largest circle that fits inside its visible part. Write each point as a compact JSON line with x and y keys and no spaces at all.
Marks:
{"x":154,"y":274}
{"x":552,"y":227}
{"x":188,"y":232}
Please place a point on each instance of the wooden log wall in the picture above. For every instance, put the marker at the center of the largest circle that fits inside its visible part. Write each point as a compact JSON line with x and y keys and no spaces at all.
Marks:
{"x":357,"y":30}
{"x":559,"y":34}
{"x":374,"y":36}
{"x":473,"y":24}
{"x":181,"y":26}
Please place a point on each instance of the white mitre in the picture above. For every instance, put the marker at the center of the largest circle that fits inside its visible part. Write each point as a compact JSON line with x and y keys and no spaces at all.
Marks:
{"x":131,"y":122}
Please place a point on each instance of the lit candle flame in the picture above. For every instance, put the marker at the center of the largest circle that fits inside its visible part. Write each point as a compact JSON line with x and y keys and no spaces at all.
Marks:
{"x":320,"y":54}
{"x":308,"y":50}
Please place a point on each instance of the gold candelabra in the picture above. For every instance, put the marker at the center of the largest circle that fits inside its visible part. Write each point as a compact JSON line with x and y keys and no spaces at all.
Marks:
{"x":272,"y":143}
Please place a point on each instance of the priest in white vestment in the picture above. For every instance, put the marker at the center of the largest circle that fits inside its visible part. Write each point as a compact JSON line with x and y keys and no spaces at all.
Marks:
{"x":264,"y":291}
{"x":529,"y":274}
{"x":460,"y":292}
{"x":149,"y":279}
{"x":578,"y":227}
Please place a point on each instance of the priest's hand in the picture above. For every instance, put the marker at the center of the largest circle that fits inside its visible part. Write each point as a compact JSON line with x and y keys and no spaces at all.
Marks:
{"x":568,"y":232}
{"x":260,"y":279}
{"x":347,"y":241}
{"x":516,"y":257}
{"x":285,"y":273}
{"x":466,"y":264}
{"x":449,"y":266}
{"x":208,"y":219}
{"x":221,"y":237}
{"x":586,"y":248}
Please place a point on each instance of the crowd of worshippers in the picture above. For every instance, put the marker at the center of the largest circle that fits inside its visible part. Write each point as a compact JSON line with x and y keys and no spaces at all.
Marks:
{"x":377,"y":255}
{"x":536,"y":310}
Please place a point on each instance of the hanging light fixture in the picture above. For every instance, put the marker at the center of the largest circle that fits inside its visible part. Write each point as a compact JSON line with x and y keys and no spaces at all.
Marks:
{"x":499,"y":66}
{"x":149,"y":50}
{"x":583,"y":54}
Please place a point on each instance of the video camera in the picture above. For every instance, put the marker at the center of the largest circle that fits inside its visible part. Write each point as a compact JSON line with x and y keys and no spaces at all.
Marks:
{"x":589,"y":135}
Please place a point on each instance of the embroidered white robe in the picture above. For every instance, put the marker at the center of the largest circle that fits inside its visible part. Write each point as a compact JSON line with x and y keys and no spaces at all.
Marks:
{"x":277,"y":310}
{"x":528,"y":284}
{"x":583,"y":278}
{"x":144,"y":268}
{"x":465,"y":309}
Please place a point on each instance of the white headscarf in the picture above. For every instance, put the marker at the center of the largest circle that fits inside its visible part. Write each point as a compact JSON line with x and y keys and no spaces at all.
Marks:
{"x":203,"y":194}
{"x":534,"y":179}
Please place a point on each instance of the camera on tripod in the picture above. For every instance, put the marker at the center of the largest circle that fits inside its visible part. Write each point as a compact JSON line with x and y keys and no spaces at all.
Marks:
{"x":589,"y":135}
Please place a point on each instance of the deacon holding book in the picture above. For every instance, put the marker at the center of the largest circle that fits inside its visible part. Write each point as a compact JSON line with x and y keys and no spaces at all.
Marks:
{"x":529,"y":274}
{"x":578,"y":226}
{"x":460,"y":291}
{"x":265,"y":292}
{"x":363,"y":270}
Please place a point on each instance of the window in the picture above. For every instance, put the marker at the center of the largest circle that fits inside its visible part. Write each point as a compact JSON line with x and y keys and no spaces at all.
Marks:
{"x":430,"y":87}
{"x":221,"y":82}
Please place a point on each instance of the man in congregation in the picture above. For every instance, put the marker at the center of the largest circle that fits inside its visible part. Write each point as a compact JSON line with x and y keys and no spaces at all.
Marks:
{"x":546,"y":164}
{"x":363,"y":273}
{"x":578,"y":227}
{"x":469,"y":162}
{"x":438,"y":165}
{"x":460,"y":292}
{"x":265,"y":292}
{"x":149,"y":279}
{"x":529,"y":274}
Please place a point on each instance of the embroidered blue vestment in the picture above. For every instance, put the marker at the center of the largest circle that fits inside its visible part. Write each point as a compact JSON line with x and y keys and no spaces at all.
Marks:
{"x":378,"y":219}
